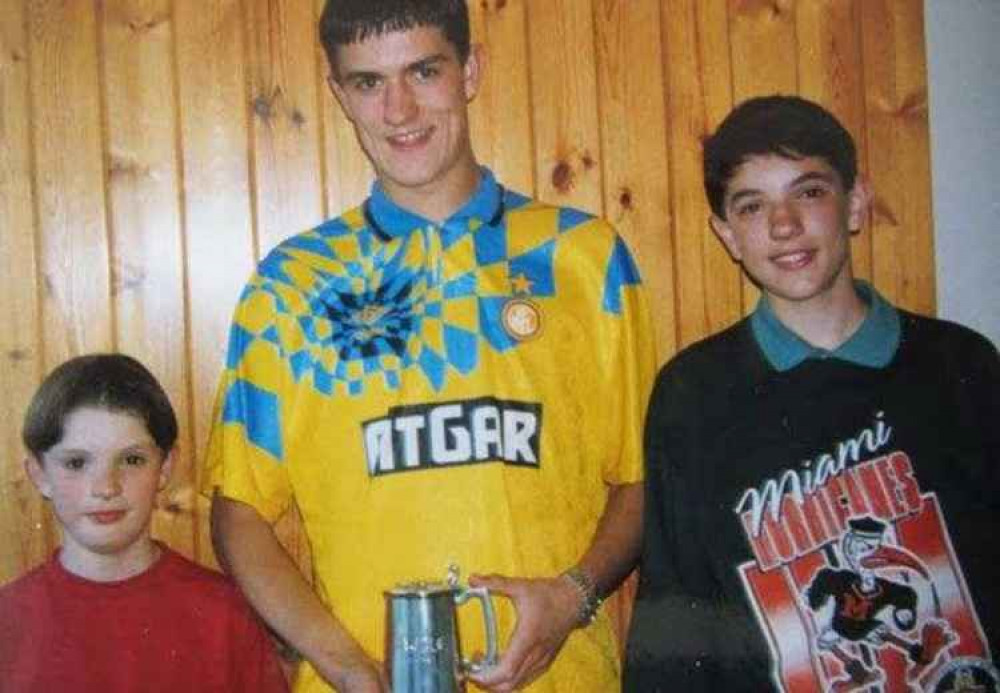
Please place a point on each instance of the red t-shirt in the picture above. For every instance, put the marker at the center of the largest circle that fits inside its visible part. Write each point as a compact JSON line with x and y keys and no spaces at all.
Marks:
{"x":177,"y":627}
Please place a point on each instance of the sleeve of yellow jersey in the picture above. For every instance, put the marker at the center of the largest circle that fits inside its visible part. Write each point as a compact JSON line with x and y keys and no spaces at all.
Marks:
{"x":245,"y":459}
{"x":635,"y":362}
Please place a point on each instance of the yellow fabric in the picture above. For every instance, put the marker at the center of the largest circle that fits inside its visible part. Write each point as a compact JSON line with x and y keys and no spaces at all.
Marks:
{"x":589,"y":368}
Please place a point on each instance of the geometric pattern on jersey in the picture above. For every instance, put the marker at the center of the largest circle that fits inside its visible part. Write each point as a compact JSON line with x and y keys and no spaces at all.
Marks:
{"x":374,"y":302}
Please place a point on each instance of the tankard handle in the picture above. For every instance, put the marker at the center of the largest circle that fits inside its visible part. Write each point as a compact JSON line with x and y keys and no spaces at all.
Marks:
{"x":490,"y":620}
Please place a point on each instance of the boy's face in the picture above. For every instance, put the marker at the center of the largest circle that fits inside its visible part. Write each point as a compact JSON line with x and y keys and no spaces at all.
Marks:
{"x":407,"y":94}
{"x":788,"y":222}
{"x":102,"y":479}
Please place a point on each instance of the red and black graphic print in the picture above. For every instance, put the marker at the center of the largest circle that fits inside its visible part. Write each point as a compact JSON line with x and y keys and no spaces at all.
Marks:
{"x":854,"y":579}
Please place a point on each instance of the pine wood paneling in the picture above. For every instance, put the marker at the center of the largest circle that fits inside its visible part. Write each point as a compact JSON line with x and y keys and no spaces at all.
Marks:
{"x":564,"y":104}
{"x":219,"y":242}
{"x":284,"y":108}
{"x":69,"y":179}
{"x":699,"y":94}
{"x":25,"y":530}
{"x":145,"y":219}
{"x":899,"y":151}
{"x":153,"y":149}
{"x":500,"y":115}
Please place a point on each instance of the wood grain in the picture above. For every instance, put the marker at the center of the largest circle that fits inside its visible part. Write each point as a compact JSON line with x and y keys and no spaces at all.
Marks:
{"x":73,"y":245}
{"x":898,"y":152}
{"x":26,"y":533}
{"x":284,"y":115}
{"x":218,"y":230}
{"x":146,"y":223}
{"x":699,"y":94}
{"x":564,"y":104}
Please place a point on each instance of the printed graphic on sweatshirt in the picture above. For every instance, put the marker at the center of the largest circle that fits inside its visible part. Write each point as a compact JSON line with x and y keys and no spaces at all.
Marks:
{"x":854,"y":580}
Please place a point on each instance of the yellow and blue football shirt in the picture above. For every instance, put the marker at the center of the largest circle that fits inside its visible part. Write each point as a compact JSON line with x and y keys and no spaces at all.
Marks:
{"x":434,"y":394}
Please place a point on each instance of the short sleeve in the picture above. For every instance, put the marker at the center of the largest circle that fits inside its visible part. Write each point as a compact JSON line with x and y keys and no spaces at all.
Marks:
{"x":634,"y":365}
{"x":245,"y":459}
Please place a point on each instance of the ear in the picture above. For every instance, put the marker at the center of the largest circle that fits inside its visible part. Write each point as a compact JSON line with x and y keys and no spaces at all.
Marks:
{"x":472,"y":71}
{"x":725,"y":233}
{"x":33,"y":468}
{"x":859,"y":204}
{"x":166,"y":468}
{"x":338,"y":92}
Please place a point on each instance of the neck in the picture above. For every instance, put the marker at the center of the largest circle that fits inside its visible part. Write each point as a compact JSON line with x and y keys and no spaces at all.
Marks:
{"x":113,"y":567}
{"x":439,"y":199}
{"x":826,"y":321}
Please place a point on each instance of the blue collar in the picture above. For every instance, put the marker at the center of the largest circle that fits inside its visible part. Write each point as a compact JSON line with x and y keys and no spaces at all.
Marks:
{"x":873,"y":344}
{"x":389,"y":220}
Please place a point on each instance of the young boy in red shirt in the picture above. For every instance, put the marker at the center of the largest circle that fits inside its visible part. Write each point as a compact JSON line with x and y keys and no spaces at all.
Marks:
{"x":114,"y":610}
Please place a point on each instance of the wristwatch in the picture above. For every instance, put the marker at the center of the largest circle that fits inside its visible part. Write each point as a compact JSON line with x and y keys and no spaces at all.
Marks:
{"x":590,"y":601}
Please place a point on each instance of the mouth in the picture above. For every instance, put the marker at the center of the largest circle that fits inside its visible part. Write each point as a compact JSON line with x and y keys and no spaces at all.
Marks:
{"x":794,"y":260}
{"x":410,"y":140}
{"x":107,"y":517}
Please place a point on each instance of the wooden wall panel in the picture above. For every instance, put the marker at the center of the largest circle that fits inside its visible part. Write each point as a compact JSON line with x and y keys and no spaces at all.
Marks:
{"x":153,"y":149}
{"x":147,"y":248}
{"x":506,"y":142}
{"x":69,"y":176}
{"x":699,"y":94}
{"x":632,"y":103}
{"x":899,"y":151}
{"x":564,"y":104}
{"x":284,"y":109}
{"x":219,"y":237}
{"x":26,"y":533}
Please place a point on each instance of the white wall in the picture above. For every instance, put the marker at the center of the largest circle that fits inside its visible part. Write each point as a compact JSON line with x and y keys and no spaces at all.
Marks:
{"x":963,"y":53}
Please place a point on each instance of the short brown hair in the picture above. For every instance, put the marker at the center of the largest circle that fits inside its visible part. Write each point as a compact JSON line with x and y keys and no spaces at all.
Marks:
{"x":114,"y":382}
{"x":787,"y":126}
{"x":347,"y":21}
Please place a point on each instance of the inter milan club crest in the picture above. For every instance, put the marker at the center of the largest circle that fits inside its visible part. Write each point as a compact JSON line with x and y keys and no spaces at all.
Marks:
{"x":854,"y":580}
{"x":522,"y":319}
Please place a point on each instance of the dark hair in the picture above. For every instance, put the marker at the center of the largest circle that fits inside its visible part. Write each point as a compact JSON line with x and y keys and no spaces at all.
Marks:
{"x":788,"y":126}
{"x":115,"y":382}
{"x":349,"y":21}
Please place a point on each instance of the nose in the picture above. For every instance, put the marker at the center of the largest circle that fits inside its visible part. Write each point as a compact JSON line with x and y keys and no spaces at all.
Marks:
{"x":107,"y":482}
{"x":400,"y":103}
{"x":784,"y":221}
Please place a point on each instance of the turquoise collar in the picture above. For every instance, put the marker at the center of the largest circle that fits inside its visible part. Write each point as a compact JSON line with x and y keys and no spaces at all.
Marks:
{"x":389,"y":220}
{"x":873,"y":344}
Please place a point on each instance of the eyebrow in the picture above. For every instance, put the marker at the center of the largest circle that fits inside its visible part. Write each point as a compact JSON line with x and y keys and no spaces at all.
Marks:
{"x":804,"y":178}
{"x":422,"y":62}
{"x":435,"y":58}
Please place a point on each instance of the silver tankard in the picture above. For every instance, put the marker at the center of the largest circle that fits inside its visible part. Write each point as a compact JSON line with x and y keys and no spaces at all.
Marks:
{"x":422,"y":644}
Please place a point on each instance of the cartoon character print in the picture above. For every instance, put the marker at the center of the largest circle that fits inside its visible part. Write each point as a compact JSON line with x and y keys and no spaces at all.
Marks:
{"x":853,"y":578}
{"x":856,"y":605}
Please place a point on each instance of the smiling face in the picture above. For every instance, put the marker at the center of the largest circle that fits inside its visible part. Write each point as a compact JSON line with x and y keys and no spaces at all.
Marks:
{"x":102,"y":478}
{"x":788,"y":222}
{"x":407,"y":94}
